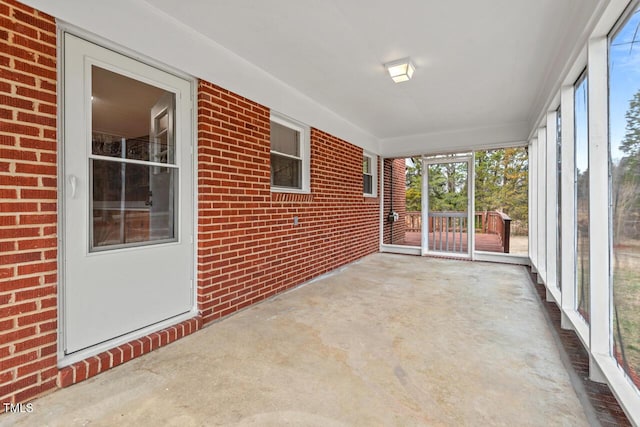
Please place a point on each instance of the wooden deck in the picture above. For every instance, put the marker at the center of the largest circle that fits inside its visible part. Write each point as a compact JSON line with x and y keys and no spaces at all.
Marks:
{"x":484,"y":242}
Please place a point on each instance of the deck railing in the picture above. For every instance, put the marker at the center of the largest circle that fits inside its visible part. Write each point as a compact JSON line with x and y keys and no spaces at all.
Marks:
{"x":491,"y":222}
{"x":499,"y":223}
{"x":449,"y":231}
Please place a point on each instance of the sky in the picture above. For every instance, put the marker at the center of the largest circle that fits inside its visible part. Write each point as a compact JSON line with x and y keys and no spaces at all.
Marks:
{"x":624,"y":79}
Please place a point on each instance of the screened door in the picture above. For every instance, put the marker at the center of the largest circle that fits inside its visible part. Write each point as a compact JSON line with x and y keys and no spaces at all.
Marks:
{"x":128,"y":195}
{"x":448,"y":225}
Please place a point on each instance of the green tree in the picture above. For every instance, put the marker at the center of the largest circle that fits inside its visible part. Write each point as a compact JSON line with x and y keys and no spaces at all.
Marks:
{"x":414,"y":184}
{"x":631,"y":143}
{"x":448,"y":187}
{"x":626,"y":177}
{"x":502,"y":182}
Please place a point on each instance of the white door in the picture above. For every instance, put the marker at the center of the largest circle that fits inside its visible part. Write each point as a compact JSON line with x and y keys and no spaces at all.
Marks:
{"x":128,"y":196}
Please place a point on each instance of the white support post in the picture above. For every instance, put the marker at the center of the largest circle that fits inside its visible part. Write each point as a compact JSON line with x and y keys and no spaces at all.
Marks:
{"x":541,"y":211}
{"x":568,"y":246}
{"x":552,"y":207}
{"x":600,"y":324}
{"x":533,"y":205}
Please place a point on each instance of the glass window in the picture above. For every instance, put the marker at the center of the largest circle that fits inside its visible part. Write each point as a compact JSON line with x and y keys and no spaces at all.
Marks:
{"x":582,"y":196}
{"x":133,"y":168}
{"x":289,"y":155}
{"x":501,"y":216}
{"x":624,"y":155}
{"x":402,"y":201}
{"x":369,"y":165}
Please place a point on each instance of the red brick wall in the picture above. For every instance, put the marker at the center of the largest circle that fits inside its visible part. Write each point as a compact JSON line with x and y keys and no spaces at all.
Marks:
{"x":28,"y":235}
{"x":394,"y":170}
{"x":249,"y":248}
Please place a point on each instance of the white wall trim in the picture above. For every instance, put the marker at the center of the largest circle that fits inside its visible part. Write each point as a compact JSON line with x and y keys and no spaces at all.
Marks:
{"x":399,"y":249}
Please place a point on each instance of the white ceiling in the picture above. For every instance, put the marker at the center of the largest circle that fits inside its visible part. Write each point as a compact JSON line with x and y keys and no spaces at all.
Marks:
{"x":480,"y":64}
{"x":486,"y":70}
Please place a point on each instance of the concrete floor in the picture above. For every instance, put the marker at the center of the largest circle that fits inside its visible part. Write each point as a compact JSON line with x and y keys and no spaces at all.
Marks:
{"x":390,"y":340}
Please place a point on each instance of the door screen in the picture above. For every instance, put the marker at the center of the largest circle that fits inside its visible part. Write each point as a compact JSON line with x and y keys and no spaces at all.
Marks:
{"x":132,"y":162}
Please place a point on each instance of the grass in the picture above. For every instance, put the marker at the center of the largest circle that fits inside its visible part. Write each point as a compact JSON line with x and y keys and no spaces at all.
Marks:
{"x":626,"y":292}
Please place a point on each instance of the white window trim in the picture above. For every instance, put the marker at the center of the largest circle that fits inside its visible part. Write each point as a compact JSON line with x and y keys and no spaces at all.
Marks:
{"x":373,"y":162}
{"x":305,"y":153}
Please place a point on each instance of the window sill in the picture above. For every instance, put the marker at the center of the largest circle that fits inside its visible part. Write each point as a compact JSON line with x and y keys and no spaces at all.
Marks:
{"x":289,"y":190}
{"x":580,"y":326}
{"x":620,"y":385}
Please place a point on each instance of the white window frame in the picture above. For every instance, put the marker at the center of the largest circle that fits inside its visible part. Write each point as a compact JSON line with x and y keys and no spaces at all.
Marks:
{"x":373,"y":163}
{"x":305,"y":153}
{"x":596,"y":337}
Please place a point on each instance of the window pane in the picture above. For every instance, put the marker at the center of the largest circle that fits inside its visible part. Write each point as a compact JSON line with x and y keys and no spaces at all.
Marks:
{"x":285,"y":140}
{"x":559,"y":192}
{"x":368,"y":184}
{"x":624,"y":121}
{"x":402,"y":201}
{"x":582,"y":198}
{"x":286,"y":172}
{"x":366,"y":164}
{"x":130,"y":119}
{"x":131,"y":204}
{"x":502,"y":201}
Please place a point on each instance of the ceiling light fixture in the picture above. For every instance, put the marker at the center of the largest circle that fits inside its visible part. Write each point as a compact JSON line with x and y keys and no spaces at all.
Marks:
{"x":400,"y":70}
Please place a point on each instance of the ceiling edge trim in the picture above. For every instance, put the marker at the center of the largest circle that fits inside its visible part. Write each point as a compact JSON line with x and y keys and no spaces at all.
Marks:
{"x":499,"y":136}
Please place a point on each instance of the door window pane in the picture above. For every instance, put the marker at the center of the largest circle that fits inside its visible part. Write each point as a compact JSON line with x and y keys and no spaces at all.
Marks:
{"x":130,"y":119}
{"x":582,"y":198}
{"x":133,"y":202}
{"x":624,"y":146}
{"x":123,"y":209}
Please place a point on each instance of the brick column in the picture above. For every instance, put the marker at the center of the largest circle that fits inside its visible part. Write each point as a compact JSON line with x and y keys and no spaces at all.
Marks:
{"x":28,"y":207}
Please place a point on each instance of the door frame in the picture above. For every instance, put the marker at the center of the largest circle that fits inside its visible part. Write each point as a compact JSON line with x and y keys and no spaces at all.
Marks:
{"x":62,"y":358}
{"x":469,"y":159}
